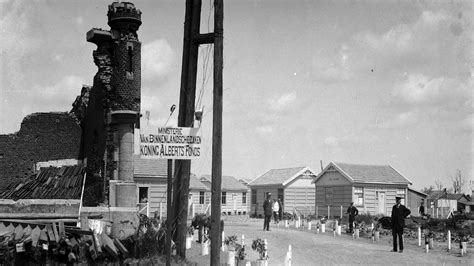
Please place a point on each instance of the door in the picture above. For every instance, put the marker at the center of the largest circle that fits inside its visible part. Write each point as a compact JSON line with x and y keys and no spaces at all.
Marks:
{"x":234,"y":201}
{"x":381,"y":202}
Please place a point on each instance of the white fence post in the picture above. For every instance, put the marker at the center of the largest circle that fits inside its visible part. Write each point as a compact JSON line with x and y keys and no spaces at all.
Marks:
{"x":449,"y":240}
{"x":329,"y":212}
{"x":222,"y":242}
{"x":419,"y":236}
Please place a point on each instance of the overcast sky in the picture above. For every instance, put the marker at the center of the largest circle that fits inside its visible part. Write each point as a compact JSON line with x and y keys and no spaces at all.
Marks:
{"x":365,"y":82}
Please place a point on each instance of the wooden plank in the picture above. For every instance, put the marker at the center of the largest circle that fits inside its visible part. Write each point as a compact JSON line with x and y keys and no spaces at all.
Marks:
{"x":108,"y":245}
{"x":35,"y":236}
{"x":62,"y":232}
{"x":84,"y":223}
{"x":55,"y":231}
{"x":78,"y":231}
{"x":123,"y":250}
{"x":49,"y":230}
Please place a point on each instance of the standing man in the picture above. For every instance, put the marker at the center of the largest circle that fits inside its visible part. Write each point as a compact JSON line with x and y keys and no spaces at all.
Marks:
{"x":399,"y":213}
{"x":353,"y":212}
{"x":267,"y":211}
{"x":421,"y":210}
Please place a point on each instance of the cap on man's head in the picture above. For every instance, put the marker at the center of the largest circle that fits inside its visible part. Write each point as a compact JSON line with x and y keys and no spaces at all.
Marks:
{"x":398,"y":198}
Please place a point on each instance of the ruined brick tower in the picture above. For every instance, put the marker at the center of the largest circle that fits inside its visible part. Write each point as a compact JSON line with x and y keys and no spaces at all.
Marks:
{"x":117,"y":103}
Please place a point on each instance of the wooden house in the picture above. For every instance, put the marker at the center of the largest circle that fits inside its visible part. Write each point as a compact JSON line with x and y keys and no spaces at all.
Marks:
{"x":292,"y":185}
{"x":151,"y":177}
{"x":235,"y":195}
{"x":440,"y":203}
{"x":372,"y":188}
{"x":414,"y":200}
{"x":199,"y":195}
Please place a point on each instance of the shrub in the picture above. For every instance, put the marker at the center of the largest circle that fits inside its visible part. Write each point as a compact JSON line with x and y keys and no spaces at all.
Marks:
{"x":259,"y":245}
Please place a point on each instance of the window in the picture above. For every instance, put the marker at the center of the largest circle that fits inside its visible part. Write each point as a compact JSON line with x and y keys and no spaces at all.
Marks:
{"x":224,"y":199}
{"x":254,"y":197}
{"x":358,"y":196}
{"x":401,"y":194}
{"x":244,"y":197}
{"x":280,"y":194}
{"x":201,"y":197}
{"x":328,"y":191}
{"x":143,"y":194}
{"x":129,"y":72}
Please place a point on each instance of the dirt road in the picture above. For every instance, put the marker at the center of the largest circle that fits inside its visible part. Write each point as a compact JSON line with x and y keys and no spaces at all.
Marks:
{"x":310,"y":248}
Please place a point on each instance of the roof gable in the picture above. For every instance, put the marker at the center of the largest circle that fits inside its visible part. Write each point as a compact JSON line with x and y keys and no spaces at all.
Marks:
{"x":149,"y":167}
{"x":227,"y":182}
{"x":357,"y":173}
{"x":281,"y":176}
{"x":196,"y":184}
{"x":436,"y":194}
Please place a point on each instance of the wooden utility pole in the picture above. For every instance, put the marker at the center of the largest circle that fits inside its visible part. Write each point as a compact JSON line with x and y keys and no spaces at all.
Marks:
{"x":191,"y":42}
{"x":217,"y":133}
{"x":169,"y":213}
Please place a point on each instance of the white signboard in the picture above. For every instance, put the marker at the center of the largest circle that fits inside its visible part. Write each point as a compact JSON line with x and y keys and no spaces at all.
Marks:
{"x":182,"y":143}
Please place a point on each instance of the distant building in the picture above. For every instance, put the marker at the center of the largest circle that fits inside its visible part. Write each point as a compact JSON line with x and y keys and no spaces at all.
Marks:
{"x":235,"y":195}
{"x":292,"y":185}
{"x":199,"y":195}
{"x":441,"y":203}
{"x":372,"y":188}
{"x":414,"y":200}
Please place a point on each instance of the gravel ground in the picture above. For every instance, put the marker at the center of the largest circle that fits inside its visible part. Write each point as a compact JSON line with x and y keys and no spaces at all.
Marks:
{"x":310,"y":248}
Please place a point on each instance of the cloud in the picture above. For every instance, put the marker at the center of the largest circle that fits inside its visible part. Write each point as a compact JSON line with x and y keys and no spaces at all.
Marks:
{"x":17,"y":41}
{"x":39,"y":98}
{"x":282,"y":102}
{"x":419,"y":89}
{"x":436,"y":38}
{"x":333,"y":68}
{"x":440,"y":99}
{"x":157,"y":59}
{"x":399,"y":120}
{"x":360,"y":138}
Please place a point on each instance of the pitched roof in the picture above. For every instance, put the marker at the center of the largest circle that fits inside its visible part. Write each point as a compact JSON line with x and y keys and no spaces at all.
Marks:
{"x":280,"y":176}
{"x":457,"y":196}
{"x":418,"y":192}
{"x":436,"y":194}
{"x":149,"y":167}
{"x":196,"y":184}
{"x":360,"y":173}
{"x":50,"y":183}
{"x":227,"y":182}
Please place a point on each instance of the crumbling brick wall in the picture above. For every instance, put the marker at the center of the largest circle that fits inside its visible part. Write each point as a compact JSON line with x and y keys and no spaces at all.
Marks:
{"x":42,"y":137}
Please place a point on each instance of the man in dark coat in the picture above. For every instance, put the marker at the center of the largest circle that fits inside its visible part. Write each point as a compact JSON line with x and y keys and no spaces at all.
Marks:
{"x":399,"y":213}
{"x":353,"y":212}
{"x":267,"y":211}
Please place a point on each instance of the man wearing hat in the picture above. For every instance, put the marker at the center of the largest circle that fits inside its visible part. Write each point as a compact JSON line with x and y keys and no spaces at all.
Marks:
{"x":267,"y":211}
{"x":353,"y":212}
{"x":399,"y":213}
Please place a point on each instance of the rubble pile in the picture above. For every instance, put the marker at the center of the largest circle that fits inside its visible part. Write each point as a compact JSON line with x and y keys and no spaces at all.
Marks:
{"x":46,"y":242}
